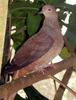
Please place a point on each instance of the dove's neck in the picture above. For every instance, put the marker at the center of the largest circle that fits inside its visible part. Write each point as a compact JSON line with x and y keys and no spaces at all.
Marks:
{"x":51,"y":26}
{"x":51,"y":22}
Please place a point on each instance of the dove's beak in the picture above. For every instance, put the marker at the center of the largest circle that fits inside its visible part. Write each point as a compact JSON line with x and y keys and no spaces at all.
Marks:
{"x":40,"y":12}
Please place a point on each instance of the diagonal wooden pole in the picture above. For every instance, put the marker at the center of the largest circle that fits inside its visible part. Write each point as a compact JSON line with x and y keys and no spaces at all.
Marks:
{"x":3,"y":19}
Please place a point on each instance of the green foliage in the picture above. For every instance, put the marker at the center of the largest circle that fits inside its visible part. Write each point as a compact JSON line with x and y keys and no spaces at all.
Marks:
{"x":71,"y":37}
{"x":64,"y":53}
{"x":72,"y":22}
{"x":33,"y":22}
{"x":18,"y":39}
{"x":54,"y":2}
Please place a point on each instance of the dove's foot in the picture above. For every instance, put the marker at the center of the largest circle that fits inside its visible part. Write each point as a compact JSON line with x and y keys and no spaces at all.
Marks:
{"x":41,"y":69}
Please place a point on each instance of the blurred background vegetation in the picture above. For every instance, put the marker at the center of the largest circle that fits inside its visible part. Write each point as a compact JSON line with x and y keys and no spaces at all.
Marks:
{"x":25,"y":22}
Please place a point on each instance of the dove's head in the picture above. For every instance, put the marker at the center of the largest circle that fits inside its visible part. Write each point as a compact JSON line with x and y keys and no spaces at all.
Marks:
{"x":48,"y":11}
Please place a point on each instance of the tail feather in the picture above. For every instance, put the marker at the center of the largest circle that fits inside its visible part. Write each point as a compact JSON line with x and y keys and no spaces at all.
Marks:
{"x":5,"y":74}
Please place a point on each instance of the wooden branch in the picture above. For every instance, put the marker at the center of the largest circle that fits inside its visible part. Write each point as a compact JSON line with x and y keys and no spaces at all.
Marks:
{"x":61,"y":89}
{"x":14,"y":86}
{"x":3,"y":18}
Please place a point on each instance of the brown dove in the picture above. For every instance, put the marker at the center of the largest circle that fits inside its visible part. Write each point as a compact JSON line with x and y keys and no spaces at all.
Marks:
{"x":41,"y":48}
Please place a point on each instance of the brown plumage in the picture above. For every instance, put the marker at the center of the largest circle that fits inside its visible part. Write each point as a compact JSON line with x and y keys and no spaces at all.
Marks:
{"x":42,"y":47}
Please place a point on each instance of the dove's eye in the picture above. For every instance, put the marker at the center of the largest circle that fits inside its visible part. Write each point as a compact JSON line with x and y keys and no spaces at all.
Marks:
{"x":49,"y":9}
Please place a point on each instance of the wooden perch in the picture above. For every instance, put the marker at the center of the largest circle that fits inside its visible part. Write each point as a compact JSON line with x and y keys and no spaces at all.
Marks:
{"x":60,"y":91}
{"x":14,"y":86}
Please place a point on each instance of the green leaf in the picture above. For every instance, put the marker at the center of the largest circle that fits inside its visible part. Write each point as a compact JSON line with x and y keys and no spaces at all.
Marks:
{"x":18,"y":39}
{"x":64,"y":53}
{"x":62,"y":15}
{"x":71,"y":37}
{"x":18,"y":23}
{"x":33,"y":22}
{"x":54,"y":2}
{"x":72,"y":23}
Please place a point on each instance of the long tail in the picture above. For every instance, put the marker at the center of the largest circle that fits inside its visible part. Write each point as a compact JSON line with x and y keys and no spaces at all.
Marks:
{"x":5,"y":74}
